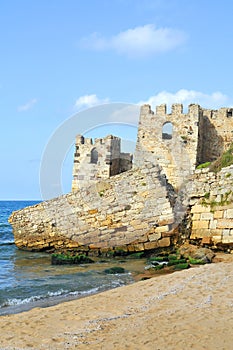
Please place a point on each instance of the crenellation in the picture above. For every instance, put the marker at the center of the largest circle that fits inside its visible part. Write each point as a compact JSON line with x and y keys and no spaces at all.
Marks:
{"x":146,"y":109}
{"x":79,"y":140}
{"x":194,"y":110}
{"x":177,"y":108}
{"x":88,"y":141}
{"x":161,"y":110}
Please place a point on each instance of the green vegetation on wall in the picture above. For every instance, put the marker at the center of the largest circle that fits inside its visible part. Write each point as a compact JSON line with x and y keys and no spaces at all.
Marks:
{"x":226,"y":199}
{"x":225,"y":160}
{"x":203,"y":165}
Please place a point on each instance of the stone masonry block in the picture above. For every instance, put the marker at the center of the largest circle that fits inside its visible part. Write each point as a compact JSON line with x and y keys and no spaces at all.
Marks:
{"x":151,"y":245}
{"x":206,"y":240}
{"x":227,"y":240}
{"x":218,"y":214}
{"x":207,"y":216}
{"x":196,"y":234}
{"x":225,"y":223}
{"x":228,"y":214}
{"x":200,"y":209}
{"x":201,"y":224}
{"x":196,"y":217}
{"x":164,"y":242}
{"x":154,"y":237}
{"x":226,"y":232}
{"x":161,"y":229}
{"x":139,"y":247}
{"x":216,"y":239}
{"x":213,"y":224}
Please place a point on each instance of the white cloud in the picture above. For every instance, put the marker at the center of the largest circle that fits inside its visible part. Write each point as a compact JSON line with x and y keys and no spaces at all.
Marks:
{"x":214,"y":101}
{"x":138,"y":42}
{"x":88,"y":101}
{"x":130,"y":112}
{"x":27,"y":106}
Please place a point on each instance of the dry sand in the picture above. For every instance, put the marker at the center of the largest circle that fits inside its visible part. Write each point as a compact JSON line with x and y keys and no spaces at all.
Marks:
{"x":191,"y":309}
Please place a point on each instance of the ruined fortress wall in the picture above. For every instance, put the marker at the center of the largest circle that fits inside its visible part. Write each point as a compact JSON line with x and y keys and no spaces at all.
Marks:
{"x":212,"y":207}
{"x":98,"y":160}
{"x":176,"y":154}
{"x":131,"y":212}
{"x":137,"y":209}
{"x":215,"y":133}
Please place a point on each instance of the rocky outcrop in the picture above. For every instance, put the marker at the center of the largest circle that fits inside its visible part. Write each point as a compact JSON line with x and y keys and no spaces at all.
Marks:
{"x":130,"y":212}
{"x":198,"y":253}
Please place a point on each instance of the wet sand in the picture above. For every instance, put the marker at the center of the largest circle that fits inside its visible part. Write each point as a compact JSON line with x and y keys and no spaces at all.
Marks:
{"x":191,"y":309}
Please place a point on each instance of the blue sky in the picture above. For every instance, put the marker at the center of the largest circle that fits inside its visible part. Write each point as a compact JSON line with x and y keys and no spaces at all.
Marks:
{"x":59,"y":57}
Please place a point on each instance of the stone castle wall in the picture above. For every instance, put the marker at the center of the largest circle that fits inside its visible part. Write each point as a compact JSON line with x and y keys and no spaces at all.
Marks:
{"x":132,"y":213}
{"x":215,"y":133}
{"x":212,"y":207}
{"x":176,"y":153}
{"x":112,"y":207}
{"x":199,"y":136}
{"x":98,"y":160}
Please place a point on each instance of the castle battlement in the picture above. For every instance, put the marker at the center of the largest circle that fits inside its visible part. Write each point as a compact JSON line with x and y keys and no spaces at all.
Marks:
{"x":180,"y":141}
{"x":176,"y":141}
{"x":98,"y":159}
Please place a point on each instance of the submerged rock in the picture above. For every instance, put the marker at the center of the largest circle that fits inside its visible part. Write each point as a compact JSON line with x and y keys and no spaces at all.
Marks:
{"x":114,"y":270}
{"x":62,"y":259}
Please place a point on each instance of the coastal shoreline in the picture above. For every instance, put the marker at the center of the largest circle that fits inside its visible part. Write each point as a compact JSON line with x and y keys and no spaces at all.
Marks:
{"x":187,"y":309}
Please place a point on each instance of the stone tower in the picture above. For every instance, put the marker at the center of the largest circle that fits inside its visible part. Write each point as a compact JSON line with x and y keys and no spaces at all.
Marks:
{"x":98,"y":160}
{"x":170,"y":140}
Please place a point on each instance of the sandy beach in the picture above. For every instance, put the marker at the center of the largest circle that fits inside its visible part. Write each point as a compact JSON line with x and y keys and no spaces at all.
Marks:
{"x":191,"y":309}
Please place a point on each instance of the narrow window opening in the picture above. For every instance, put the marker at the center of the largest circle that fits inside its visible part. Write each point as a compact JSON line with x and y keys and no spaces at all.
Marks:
{"x":94,"y":156}
{"x":167,"y":131}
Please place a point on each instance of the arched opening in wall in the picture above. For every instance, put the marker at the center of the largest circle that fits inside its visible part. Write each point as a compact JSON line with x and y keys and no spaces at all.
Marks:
{"x":94,"y":156}
{"x":167,"y":131}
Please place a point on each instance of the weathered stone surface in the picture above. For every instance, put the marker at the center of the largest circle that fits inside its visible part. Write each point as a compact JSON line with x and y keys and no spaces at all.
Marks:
{"x":84,"y":220}
{"x":206,"y":240}
{"x":99,"y":159}
{"x":189,"y":250}
{"x":204,"y":254}
{"x":212,"y":210}
{"x":138,"y":209}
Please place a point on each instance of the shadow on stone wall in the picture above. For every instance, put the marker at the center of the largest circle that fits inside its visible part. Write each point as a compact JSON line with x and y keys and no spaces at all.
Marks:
{"x":210,"y":143}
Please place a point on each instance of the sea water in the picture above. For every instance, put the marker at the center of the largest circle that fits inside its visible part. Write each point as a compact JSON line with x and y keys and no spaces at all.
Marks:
{"x":27,"y":279}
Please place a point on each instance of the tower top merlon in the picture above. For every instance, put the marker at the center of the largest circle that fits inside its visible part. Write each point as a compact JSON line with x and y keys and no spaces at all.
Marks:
{"x":79,"y":140}
{"x":88,"y":141}
{"x":146,"y":109}
{"x":161,"y":109}
{"x":177,"y":108}
{"x":194,"y":109}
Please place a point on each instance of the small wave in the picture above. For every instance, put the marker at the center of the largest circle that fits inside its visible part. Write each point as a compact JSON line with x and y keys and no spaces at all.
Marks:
{"x":58,"y":293}
{"x":4,"y":225}
{"x":17,"y":302}
{"x":86,"y":292}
